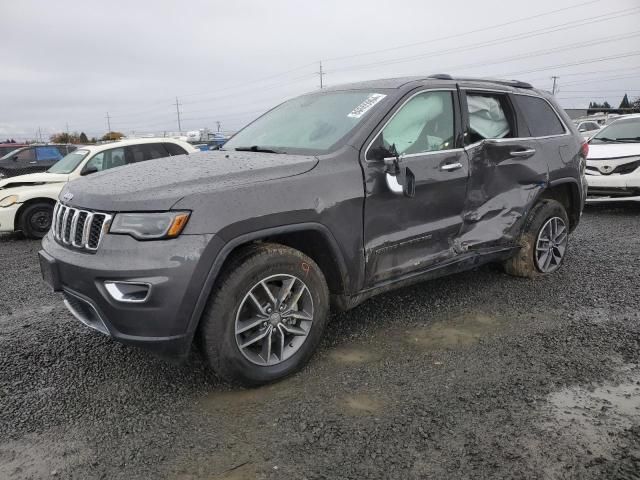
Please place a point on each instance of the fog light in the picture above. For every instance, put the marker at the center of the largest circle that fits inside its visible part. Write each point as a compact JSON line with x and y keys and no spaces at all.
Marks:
{"x":131,"y":292}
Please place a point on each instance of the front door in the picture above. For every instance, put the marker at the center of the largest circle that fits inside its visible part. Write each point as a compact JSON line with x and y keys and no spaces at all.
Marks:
{"x":407,"y":234}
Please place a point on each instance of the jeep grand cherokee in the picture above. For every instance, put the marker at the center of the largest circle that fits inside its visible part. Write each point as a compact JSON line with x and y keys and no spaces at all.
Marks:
{"x":327,"y":199}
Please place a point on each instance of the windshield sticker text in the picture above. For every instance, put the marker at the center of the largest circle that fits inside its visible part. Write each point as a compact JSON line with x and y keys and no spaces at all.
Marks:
{"x":367,"y":105}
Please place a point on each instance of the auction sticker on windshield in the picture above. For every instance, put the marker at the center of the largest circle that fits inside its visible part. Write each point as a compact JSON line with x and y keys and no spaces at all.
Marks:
{"x":371,"y":101}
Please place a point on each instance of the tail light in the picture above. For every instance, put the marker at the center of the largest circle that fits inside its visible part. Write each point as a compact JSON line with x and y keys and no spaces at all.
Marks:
{"x":584,"y":149}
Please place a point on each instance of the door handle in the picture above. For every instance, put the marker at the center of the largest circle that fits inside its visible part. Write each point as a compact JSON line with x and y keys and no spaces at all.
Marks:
{"x":33,"y":163}
{"x":523,"y":153}
{"x":447,"y":167}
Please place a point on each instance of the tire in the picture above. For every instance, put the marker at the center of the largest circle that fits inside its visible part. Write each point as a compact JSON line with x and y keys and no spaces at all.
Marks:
{"x":530,"y":262}
{"x":231,"y":309}
{"x":35,"y":220}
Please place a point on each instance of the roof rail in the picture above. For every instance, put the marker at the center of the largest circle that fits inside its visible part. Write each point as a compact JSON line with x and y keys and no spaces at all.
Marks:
{"x":509,"y":83}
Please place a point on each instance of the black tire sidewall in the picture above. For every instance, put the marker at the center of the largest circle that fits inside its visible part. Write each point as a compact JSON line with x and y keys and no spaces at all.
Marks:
{"x":25,"y":219}
{"x":219,"y":327}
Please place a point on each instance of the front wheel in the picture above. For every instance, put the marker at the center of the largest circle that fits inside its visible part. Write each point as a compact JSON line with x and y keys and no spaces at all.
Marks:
{"x":543,"y":242}
{"x":35,"y":220}
{"x":266,"y":315}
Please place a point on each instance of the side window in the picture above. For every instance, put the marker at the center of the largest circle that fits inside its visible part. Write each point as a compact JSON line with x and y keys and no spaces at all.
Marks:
{"x":107,"y":159}
{"x":48,"y":154}
{"x":490,"y":116}
{"x":174,"y":149}
{"x":541,"y":118}
{"x":146,"y":151}
{"x":154,"y":150}
{"x":424,"y":124}
{"x":27,"y":155}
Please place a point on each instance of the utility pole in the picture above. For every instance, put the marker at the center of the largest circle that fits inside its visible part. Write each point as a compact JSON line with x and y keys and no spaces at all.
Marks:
{"x":108,"y":122}
{"x":322,"y":74}
{"x":40,"y":134}
{"x":555,"y":78}
{"x":68,"y":138}
{"x":178,"y":112}
{"x":218,"y":125}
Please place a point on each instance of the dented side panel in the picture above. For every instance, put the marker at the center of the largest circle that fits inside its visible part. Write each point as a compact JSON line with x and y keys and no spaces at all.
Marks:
{"x":501,"y":189}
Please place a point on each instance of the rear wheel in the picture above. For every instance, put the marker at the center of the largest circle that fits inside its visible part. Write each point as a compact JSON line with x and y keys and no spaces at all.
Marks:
{"x":35,"y":220}
{"x":543,"y":242}
{"x":265,"y":316}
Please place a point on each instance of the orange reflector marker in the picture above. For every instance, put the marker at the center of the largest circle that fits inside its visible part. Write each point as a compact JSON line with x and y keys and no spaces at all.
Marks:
{"x":177,"y":225}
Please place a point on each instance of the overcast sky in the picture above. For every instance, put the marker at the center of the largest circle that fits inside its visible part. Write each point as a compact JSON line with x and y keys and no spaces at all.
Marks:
{"x":72,"y":61}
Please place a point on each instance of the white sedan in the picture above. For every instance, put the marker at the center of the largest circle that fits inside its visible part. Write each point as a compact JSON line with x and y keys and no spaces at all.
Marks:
{"x":27,"y":201}
{"x":613,"y":163}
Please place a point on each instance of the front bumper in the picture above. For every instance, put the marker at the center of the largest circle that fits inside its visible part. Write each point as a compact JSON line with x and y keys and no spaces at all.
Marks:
{"x":8,"y":217}
{"x":613,"y":188}
{"x":175,"y":269}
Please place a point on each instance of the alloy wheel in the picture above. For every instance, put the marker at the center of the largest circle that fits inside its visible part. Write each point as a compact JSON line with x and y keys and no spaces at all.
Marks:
{"x":274,"y":319}
{"x":551,"y":245}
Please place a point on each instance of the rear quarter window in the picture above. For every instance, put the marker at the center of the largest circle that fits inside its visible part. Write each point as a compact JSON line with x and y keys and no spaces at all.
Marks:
{"x":174,"y":149}
{"x":540,"y":117}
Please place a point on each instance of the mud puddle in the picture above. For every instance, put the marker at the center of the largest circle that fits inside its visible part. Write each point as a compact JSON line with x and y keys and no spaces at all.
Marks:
{"x":593,"y":418}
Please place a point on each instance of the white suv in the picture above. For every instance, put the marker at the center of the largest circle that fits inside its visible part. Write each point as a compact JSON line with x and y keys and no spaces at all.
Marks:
{"x":613,"y":163}
{"x":26,"y":201}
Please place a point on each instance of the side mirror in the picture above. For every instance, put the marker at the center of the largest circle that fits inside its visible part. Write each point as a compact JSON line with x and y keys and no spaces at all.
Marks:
{"x":89,"y":170}
{"x":400,"y":179}
{"x":14,"y":158}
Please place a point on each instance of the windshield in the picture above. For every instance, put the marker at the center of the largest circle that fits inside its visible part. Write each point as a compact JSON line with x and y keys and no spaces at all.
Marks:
{"x":69,"y":163}
{"x":309,"y":124}
{"x":621,"y":131}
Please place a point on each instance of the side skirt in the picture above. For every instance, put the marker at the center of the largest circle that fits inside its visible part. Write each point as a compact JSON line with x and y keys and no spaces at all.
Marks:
{"x":461,"y":263}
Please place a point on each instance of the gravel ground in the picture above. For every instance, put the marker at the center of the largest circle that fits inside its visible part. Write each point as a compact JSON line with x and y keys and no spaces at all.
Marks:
{"x":478,"y":375}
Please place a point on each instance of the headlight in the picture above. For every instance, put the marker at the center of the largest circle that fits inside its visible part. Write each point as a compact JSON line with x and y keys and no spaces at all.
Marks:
{"x":8,"y":201}
{"x":150,"y":226}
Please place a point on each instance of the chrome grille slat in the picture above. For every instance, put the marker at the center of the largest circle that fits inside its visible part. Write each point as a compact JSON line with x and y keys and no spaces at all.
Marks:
{"x":68,"y":227}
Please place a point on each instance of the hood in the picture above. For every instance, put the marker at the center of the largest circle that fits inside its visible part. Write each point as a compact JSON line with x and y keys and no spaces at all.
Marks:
{"x":33,"y":179}
{"x":613,"y":150}
{"x":159,"y":184}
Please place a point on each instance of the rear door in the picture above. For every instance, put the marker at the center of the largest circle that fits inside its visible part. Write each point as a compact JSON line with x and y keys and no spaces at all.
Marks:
{"x":507,"y":167}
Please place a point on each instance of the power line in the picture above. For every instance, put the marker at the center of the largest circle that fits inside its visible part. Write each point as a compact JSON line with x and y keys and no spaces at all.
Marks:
{"x":448,"y":37}
{"x":510,"y":38}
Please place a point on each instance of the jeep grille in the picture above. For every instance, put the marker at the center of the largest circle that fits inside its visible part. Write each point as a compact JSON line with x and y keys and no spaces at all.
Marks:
{"x":77,"y":228}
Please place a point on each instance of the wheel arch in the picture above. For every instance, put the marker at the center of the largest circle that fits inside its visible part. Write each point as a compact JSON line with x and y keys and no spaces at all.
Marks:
{"x":313,"y":239}
{"x":567,"y":192}
{"x":28,"y":203}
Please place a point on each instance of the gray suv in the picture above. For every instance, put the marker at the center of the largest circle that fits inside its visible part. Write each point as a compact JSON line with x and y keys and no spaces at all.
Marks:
{"x":322,"y":202}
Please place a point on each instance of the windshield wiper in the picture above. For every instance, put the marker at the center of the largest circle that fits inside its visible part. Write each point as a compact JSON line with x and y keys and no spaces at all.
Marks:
{"x":628,"y":139}
{"x":256,"y":148}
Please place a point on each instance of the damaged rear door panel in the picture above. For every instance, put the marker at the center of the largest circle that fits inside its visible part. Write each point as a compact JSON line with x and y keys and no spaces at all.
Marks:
{"x":507,"y":170}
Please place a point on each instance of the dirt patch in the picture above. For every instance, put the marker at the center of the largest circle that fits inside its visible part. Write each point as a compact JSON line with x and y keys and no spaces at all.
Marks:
{"x":41,"y":457}
{"x":452,"y":333}
{"x":353,"y":355}
{"x":361,"y":404}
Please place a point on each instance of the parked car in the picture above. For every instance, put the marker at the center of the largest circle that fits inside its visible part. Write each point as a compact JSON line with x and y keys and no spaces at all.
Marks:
{"x":26,"y":201}
{"x":32,"y":159}
{"x":330,"y":198}
{"x":588,"y":128}
{"x":613,"y":164}
{"x":6,"y":148}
